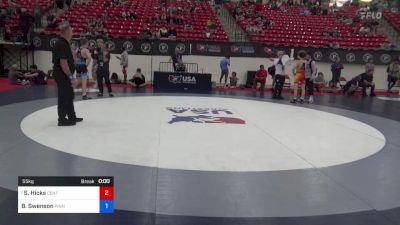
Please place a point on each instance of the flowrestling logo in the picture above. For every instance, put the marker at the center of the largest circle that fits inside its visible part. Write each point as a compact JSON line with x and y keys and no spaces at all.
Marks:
{"x":181,"y":48}
{"x":242,"y":49}
{"x":128,"y":46}
{"x":163,"y":47}
{"x":110,"y":45}
{"x":208,"y":48}
{"x":203,"y":115}
{"x":182,"y":79}
{"x":53,"y":42}
{"x":37,"y":42}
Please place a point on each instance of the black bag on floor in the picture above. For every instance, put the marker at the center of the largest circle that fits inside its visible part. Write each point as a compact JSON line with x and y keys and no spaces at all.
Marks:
{"x":279,"y":82}
{"x":250,"y":79}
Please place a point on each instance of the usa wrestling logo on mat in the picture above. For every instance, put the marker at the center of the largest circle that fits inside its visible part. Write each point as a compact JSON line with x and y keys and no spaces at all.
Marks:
{"x":203,"y":115}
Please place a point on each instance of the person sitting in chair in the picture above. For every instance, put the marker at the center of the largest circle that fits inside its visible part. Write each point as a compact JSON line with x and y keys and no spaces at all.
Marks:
{"x":233,"y":79}
{"x":138,"y":80}
{"x":261,"y":77}
{"x":319,"y":81}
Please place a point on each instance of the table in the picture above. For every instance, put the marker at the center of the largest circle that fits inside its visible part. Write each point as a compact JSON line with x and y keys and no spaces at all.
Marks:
{"x":178,"y":81}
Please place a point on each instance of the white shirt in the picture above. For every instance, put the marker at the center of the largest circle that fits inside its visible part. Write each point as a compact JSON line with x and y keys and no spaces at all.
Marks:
{"x":311,"y":69}
{"x":124,"y":58}
{"x":279,"y":68}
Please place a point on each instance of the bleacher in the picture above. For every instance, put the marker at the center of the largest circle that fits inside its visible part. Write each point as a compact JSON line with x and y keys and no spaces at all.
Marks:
{"x":393,"y":18}
{"x":290,"y":28}
{"x":117,"y":26}
{"x":45,"y":5}
{"x":293,"y":29}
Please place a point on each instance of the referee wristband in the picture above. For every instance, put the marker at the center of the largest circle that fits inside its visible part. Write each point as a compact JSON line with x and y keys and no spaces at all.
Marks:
{"x":70,"y":77}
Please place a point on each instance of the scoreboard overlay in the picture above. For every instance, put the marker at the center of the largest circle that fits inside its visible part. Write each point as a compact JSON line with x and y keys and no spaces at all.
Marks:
{"x":65,"y":194}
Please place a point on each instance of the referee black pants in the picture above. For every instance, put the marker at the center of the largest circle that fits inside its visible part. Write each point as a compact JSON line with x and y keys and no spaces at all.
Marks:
{"x":66,"y":94}
{"x":310,"y":86}
{"x":106,"y":76}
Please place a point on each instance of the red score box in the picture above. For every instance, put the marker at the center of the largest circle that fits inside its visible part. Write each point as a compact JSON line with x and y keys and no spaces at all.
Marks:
{"x":107,"y":193}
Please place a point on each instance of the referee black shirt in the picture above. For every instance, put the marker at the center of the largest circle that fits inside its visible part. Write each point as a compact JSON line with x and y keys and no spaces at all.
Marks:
{"x":103,"y":66}
{"x":62,"y":50}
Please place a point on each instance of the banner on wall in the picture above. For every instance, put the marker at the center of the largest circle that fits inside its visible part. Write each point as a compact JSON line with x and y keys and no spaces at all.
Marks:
{"x":142,"y":47}
{"x":176,"y":81}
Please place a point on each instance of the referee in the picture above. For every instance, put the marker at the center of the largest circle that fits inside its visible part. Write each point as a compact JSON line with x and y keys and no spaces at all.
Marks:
{"x":63,"y":67}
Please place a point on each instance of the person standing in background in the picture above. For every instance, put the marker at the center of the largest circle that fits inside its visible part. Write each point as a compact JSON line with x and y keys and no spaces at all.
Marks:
{"x":370,"y":67}
{"x":124,"y":61}
{"x":311,"y":74}
{"x":103,"y":68}
{"x":393,"y":71}
{"x":299,"y":77}
{"x":368,"y":77}
{"x":336,"y":69}
{"x":63,"y":68}
{"x":176,"y":59}
{"x":83,"y":60}
{"x":25,"y":24}
{"x":93,"y":51}
{"x":37,"y":13}
{"x":224,"y":65}
{"x":279,"y":78}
